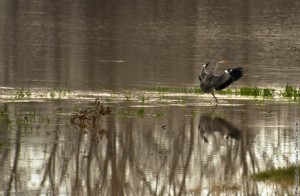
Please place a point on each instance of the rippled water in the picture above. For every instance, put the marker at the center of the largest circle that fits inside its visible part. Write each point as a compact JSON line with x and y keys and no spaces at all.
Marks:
{"x":153,"y":143}
{"x":89,"y":45}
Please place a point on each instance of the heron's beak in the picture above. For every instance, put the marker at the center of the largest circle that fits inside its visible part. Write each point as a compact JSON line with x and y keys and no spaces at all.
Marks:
{"x":223,"y":61}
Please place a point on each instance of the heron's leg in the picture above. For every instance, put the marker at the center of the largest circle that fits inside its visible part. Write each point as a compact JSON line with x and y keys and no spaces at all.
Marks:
{"x":215,"y":98}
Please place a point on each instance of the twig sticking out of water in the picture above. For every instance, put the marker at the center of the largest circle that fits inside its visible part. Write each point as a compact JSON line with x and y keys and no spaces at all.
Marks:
{"x":90,"y":116}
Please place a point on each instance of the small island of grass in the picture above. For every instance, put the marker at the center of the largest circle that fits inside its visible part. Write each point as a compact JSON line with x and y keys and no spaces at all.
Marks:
{"x":283,"y":176}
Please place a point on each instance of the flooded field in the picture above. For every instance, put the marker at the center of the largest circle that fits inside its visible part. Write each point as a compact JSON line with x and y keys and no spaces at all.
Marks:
{"x":150,"y":143}
{"x":103,"y":97}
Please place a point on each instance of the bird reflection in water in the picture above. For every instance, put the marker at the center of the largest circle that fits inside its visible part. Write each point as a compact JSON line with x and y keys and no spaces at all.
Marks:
{"x":209,"y":125}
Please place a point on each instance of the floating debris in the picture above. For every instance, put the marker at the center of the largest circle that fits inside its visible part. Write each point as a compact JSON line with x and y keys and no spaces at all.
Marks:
{"x":88,"y":119}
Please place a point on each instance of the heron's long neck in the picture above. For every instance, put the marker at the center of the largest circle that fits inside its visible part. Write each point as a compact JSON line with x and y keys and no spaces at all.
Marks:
{"x":216,"y":67}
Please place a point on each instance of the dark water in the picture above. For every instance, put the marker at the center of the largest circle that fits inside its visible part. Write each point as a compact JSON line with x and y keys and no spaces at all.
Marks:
{"x":119,"y":44}
{"x":173,"y":144}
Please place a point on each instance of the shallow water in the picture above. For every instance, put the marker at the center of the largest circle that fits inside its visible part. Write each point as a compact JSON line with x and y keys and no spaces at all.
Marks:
{"x":168,"y":147}
{"x":153,"y":143}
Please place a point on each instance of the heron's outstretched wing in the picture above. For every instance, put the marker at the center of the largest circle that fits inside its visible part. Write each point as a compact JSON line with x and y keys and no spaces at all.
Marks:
{"x":203,"y":72}
{"x":228,"y":77}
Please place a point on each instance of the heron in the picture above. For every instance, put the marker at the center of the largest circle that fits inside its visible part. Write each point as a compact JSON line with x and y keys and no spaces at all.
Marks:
{"x":210,"y":81}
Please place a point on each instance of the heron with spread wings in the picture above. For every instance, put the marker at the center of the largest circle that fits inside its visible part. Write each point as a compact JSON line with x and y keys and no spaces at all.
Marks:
{"x":209,"y":81}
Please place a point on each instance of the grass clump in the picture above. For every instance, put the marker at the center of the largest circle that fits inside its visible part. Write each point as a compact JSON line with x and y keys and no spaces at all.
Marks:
{"x":163,"y":90}
{"x":21,"y":94}
{"x":291,"y":93}
{"x":283,"y":176}
{"x":266,"y":92}
{"x":5,"y":120}
{"x":227,"y":92}
{"x":143,"y":99}
{"x":256,"y":92}
{"x":60,"y":92}
{"x":198,"y":91}
{"x":250,"y":91}
{"x":128,"y":113}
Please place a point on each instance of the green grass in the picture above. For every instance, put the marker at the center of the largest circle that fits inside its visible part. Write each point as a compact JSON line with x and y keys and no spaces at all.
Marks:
{"x":243,"y":91}
{"x":143,"y":99}
{"x":283,"y":176}
{"x":129,"y":113}
{"x":165,"y":89}
{"x":21,"y":94}
{"x":5,"y":121}
{"x":227,"y":92}
{"x":250,"y":91}
{"x":266,"y":92}
{"x":291,"y":93}
{"x":57,"y":93}
{"x":127,"y":96}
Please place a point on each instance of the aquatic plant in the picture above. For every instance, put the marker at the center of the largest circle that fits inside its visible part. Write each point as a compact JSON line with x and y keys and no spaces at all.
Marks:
{"x":90,"y":116}
{"x":52,"y":94}
{"x":59,"y":92}
{"x":284,"y":176}
{"x":21,"y":94}
{"x":143,"y":98}
{"x":291,"y":93}
{"x":227,"y":92}
{"x":198,"y":90}
{"x":162,"y":90}
{"x":266,"y":92}
{"x":5,"y":121}
{"x":127,"y":96}
{"x":141,"y":112}
{"x":129,"y":113}
{"x":250,"y":91}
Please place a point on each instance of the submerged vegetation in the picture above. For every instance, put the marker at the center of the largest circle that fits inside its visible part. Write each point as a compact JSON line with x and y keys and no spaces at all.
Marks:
{"x":283,"y":176}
